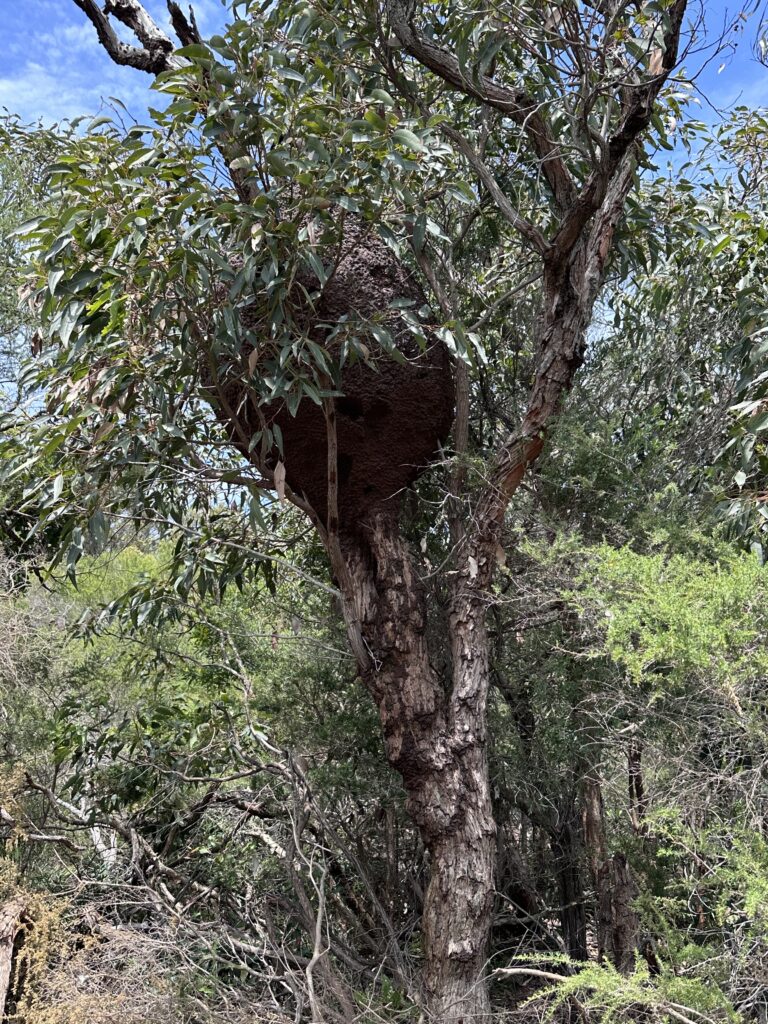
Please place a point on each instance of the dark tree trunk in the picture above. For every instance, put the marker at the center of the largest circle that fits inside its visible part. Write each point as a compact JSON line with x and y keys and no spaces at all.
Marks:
{"x":638,"y":803}
{"x":435,"y":737}
{"x":618,"y":922}
{"x":566,"y":849}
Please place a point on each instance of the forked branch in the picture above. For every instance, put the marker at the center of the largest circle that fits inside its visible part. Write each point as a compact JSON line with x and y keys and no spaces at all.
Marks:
{"x":155,"y":54}
{"x":515,"y":103}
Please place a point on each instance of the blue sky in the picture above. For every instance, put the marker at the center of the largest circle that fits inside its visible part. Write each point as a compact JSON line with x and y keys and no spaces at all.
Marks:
{"x":54,"y":68}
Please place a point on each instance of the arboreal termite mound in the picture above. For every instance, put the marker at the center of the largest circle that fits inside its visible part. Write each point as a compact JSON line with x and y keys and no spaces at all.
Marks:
{"x":391,"y":419}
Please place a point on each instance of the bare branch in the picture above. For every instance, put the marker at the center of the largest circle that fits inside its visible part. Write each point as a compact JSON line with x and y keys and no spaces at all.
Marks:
{"x":185,"y":28}
{"x":152,"y":58}
{"x":133,"y":15}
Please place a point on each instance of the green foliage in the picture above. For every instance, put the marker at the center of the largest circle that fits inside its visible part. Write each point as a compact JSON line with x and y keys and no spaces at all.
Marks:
{"x":188,"y":714}
{"x":671,"y":619}
{"x":699,"y":303}
{"x":24,"y":156}
{"x":145,"y":268}
{"x":601,"y":990}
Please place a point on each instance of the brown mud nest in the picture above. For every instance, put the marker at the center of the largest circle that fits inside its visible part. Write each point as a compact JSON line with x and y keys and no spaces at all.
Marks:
{"x":391,"y":419}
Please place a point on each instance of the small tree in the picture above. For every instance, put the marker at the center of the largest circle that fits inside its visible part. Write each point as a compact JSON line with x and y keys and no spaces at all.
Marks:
{"x":261,"y":251}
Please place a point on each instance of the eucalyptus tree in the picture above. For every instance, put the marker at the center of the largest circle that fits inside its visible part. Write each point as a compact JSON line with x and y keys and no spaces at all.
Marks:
{"x":264,"y":250}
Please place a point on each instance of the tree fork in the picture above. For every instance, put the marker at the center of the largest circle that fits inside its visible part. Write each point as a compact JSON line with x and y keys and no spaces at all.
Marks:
{"x":435,"y":734}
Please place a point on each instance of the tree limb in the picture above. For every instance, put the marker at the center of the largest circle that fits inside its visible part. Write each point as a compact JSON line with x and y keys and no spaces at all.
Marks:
{"x":636,"y":116}
{"x":152,"y":58}
{"x":524,"y":227}
{"x":185,"y":28}
{"x":515,"y":103}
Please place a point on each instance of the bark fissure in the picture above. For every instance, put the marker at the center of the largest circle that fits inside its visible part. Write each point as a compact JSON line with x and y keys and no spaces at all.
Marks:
{"x":12,"y":916}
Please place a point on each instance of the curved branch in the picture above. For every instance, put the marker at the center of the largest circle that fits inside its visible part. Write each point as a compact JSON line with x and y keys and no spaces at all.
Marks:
{"x":515,"y":103}
{"x":528,"y":230}
{"x":152,"y":57}
{"x":134,"y":16}
{"x":636,"y":116}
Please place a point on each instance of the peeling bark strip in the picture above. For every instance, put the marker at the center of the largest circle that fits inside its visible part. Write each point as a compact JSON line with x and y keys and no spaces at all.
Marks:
{"x":11,"y":923}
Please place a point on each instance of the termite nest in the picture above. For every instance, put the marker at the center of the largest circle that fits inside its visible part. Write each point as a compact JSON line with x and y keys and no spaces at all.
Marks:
{"x":393,"y":417}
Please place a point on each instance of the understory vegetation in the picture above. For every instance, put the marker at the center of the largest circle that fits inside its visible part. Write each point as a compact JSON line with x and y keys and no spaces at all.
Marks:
{"x":198,"y":820}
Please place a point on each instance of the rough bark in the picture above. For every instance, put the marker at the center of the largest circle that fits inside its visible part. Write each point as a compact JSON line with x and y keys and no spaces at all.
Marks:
{"x":155,"y":53}
{"x":594,"y":824}
{"x":11,"y":922}
{"x":567,"y":852}
{"x":638,"y":802}
{"x":617,"y":920}
{"x":435,"y":737}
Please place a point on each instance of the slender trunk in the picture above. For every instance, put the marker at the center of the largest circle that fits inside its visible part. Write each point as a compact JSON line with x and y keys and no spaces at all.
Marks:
{"x":616,"y":921}
{"x":458,"y":908}
{"x":435,"y":736}
{"x":11,"y":922}
{"x":463,"y":888}
{"x":638,"y":803}
{"x":566,"y":848}
{"x":593,"y":814}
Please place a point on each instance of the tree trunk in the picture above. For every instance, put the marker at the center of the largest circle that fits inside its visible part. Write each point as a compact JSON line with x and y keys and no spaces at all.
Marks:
{"x":435,"y":737}
{"x":457,"y":910}
{"x":618,"y":922}
{"x":11,"y":922}
{"x":638,"y":803}
{"x":566,"y":849}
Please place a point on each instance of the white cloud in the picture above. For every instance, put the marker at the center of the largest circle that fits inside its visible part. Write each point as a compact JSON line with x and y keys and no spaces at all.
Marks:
{"x":51,"y":92}
{"x":55,"y":68}
{"x":69,"y":75}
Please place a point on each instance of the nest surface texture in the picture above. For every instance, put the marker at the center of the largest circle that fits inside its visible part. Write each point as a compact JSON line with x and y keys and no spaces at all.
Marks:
{"x":391,"y":419}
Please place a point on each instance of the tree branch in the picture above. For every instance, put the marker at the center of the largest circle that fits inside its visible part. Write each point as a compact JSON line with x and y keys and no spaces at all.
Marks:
{"x":529,"y":231}
{"x":185,"y":28}
{"x":515,"y":103}
{"x":573,"y":272}
{"x":156,"y":56}
{"x":636,"y":116}
{"x":133,"y":15}
{"x":153,"y":57}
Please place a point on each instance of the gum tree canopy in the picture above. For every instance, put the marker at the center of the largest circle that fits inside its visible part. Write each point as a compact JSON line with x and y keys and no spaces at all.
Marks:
{"x":354,"y":228}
